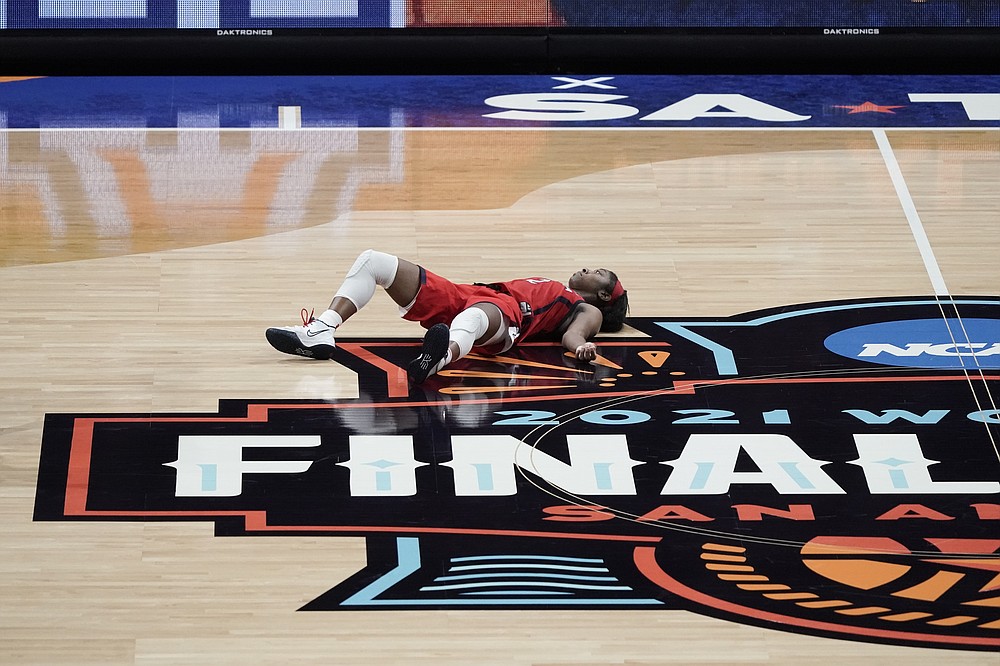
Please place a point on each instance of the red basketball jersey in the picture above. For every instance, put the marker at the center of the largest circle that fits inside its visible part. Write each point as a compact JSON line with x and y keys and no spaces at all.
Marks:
{"x":545,"y":304}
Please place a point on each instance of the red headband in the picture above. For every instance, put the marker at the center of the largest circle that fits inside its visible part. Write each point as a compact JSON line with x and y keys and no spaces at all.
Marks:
{"x":617,"y":291}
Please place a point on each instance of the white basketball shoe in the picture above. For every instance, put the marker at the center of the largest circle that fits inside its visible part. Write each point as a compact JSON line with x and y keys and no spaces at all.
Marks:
{"x":314,"y":339}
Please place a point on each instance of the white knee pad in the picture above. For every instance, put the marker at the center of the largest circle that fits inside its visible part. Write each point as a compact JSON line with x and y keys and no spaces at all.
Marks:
{"x":466,"y":328}
{"x":370,"y":269}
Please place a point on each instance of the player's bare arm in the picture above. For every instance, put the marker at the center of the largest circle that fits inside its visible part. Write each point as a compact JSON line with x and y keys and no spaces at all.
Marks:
{"x":586,"y":323}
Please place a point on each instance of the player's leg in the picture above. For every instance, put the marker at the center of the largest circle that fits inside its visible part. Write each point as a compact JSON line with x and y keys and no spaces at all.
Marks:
{"x":315,"y":338}
{"x":482,"y":324}
{"x":399,"y":277}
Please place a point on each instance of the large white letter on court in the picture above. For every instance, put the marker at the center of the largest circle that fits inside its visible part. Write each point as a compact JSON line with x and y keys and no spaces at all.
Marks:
{"x":737,"y":106}
{"x":895,"y":463}
{"x":978,"y":106}
{"x":560,"y":107}
{"x":707,"y":466}
{"x":213,"y":465}
{"x":382,"y":465}
{"x":485,"y":465}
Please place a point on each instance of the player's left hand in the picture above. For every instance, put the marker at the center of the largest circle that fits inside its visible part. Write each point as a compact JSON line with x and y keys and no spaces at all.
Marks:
{"x":586,"y":352}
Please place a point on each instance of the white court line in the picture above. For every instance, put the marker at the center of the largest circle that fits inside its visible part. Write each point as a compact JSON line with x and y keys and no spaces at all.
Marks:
{"x":916,"y":227}
{"x":933,"y":271}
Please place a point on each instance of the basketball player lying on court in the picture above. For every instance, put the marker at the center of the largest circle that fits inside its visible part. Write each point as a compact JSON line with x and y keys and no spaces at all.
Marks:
{"x":490,"y":318}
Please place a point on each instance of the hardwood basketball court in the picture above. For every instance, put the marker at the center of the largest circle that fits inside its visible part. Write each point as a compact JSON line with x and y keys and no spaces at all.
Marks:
{"x":140,"y":268}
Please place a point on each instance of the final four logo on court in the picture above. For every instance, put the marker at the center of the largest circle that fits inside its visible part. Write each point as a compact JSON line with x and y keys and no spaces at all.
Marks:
{"x":830,"y":469}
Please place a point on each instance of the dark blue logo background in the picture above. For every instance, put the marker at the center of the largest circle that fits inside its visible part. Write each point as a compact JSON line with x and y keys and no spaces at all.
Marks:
{"x":923,"y":343}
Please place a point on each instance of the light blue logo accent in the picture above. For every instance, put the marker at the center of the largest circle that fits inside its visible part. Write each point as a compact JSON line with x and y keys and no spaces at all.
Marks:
{"x":725,"y":360}
{"x":209,"y":477}
{"x":969,"y":344}
{"x":552,"y":567}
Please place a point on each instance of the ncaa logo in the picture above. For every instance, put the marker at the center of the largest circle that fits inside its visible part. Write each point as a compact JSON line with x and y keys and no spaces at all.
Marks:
{"x":923,"y":343}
